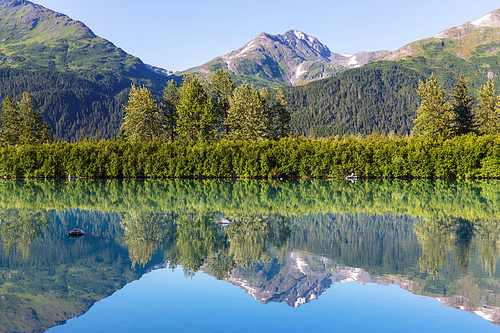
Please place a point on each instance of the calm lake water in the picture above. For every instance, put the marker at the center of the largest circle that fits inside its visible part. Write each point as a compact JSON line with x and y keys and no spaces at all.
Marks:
{"x":310,"y":255}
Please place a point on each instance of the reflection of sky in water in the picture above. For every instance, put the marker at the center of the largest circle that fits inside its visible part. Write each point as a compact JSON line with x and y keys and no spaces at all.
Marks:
{"x":165,"y":301}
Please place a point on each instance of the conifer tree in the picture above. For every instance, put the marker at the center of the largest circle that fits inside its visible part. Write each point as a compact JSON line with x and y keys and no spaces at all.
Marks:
{"x":487,"y":115}
{"x":196,"y":118}
{"x":434,"y":115}
{"x":222,"y":87}
{"x":142,"y":121}
{"x":9,"y":123}
{"x":247,"y":116}
{"x":23,"y":124}
{"x":282,"y":116}
{"x":463,"y":104}
{"x":34,"y":130}
{"x":168,"y":110}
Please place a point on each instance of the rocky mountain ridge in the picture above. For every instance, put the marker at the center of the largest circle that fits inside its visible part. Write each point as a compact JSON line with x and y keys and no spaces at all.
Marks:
{"x":461,"y":41}
{"x":289,"y":59}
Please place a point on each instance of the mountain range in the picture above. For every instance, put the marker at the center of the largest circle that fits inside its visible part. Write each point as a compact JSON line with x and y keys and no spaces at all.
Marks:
{"x":381,"y":95}
{"x":81,"y":80}
{"x":293,"y":58}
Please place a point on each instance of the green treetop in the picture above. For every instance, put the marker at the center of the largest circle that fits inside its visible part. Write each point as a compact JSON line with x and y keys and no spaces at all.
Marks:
{"x":23,"y":124}
{"x":487,"y":115}
{"x":463,"y":105}
{"x":222,"y":87}
{"x":168,"y":110}
{"x":196,"y":119}
{"x":10,"y":123}
{"x":142,"y":121}
{"x":281,"y":116}
{"x":247,"y":116}
{"x":434,"y":115}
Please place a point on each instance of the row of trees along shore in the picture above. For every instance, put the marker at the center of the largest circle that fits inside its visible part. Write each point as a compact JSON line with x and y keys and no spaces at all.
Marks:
{"x":458,"y":114}
{"x":195,"y":112}
{"x":224,"y":131}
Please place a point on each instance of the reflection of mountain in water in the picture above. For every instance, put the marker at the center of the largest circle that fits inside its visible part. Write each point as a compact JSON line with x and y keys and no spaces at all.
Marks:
{"x":302,"y":277}
{"x":284,"y":244}
{"x":52,"y":278}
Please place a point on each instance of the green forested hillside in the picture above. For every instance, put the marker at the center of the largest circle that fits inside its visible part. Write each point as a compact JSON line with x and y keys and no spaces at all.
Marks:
{"x":73,"y":106}
{"x":382,"y":94}
{"x":382,"y":97}
{"x":79,"y":80}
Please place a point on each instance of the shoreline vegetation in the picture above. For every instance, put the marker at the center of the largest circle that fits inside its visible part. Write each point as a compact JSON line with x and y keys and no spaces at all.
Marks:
{"x":224,"y":130}
{"x":376,"y":156}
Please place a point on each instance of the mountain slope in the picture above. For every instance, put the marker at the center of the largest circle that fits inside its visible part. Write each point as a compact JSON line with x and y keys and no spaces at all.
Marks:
{"x":382,"y":94}
{"x":281,"y":60}
{"x":471,"y":49}
{"x":33,"y":36}
{"x":356,"y":101}
{"x":80,"y":80}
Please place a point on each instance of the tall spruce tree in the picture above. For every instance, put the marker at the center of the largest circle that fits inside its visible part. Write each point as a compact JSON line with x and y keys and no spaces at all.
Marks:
{"x":222,"y":87}
{"x":462,"y":106}
{"x":281,"y":115}
{"x":487,"y":115}
{"x":10,"y":123}
{"x":23,"y":124}
{"x":142,"y":122}
{"x":434,"y":115}
{"x":34,"y":129}
{"x":168,"y":110}
{"x":196,"y":119}
{"x":247,"y":115}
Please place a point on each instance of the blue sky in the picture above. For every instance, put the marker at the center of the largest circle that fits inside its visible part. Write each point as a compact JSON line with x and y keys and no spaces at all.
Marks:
{"x":181,"y":34}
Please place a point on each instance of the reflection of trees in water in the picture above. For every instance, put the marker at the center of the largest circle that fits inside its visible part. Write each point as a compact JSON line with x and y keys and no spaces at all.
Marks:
{"x":463,"y":233}
{"x":438,"y":236}
{"x":490,"y":244}
{"x":197,"y":237}
{"x":194,"y":240}
{"x":144,"y":231}
{"x":21,"y":227}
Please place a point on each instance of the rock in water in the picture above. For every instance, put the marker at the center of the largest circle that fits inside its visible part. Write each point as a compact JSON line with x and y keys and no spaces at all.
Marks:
{"x":76,"y":232}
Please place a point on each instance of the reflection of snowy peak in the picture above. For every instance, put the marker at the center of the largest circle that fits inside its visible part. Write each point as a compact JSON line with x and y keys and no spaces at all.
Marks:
{"x":298,"y":280}
{"x":303,"y":277}
{"x":491,"y":314}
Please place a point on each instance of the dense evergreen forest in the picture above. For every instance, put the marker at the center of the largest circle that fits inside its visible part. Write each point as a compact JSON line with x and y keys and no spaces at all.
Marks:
{"x":356,"y":101}
{"x":73,"y":105}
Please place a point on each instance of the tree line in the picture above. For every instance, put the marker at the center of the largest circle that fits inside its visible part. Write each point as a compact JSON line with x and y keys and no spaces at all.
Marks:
{"x":457,"y":113}
{"x":23,"y":124}
{"x":375,"y":156}
{"x":198,"y":112}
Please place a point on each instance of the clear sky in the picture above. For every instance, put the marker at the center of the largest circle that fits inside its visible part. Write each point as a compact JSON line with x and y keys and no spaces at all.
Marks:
{"x":181,"y":34}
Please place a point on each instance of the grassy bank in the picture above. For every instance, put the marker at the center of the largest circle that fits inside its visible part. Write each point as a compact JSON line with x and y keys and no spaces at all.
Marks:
{"x":468,"y":156}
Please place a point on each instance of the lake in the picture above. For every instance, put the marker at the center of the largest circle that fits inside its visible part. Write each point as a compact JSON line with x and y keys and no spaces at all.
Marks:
{"x":310,"y":255}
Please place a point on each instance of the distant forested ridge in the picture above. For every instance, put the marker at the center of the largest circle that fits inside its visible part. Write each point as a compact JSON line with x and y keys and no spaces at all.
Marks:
{"x":73,"y":106}
{"x":356,"y":101}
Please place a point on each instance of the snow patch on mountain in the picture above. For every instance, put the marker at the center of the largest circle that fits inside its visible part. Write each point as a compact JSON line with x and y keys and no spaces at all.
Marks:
{"x":301,"y":264}
{"x":248,"y":47}
{"x":300,"y":71}
{"x":353,"y":62}
{"x":490,"y":20}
